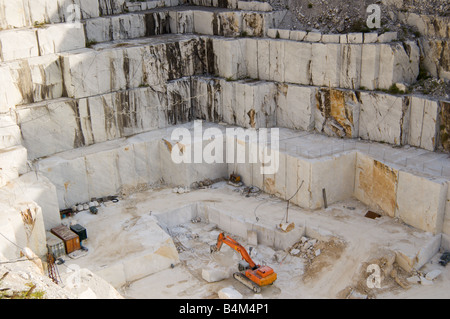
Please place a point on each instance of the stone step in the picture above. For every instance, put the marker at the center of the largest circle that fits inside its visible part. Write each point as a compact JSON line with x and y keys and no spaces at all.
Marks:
{"x":373,"y":116}
{"x":185,"y":19}
{"x":110,"y":67}
{"x":32,"y":42}
{"x":13,"y":162}
{"x":167,"y":57}
{"x":29,"y":13}
{"x":62,"y":124}
{"x":407,"y":193}
{"x":62,"y":37}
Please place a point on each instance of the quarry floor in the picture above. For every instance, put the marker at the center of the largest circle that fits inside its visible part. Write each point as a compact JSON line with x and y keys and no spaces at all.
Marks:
{"x":347,"y":239}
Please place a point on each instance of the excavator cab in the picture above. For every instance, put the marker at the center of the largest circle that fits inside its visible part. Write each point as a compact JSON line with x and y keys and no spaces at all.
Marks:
{"x":250,"y":274}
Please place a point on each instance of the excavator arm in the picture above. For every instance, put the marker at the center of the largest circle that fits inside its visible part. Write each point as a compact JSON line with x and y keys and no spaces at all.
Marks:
{"x":222,"y":239}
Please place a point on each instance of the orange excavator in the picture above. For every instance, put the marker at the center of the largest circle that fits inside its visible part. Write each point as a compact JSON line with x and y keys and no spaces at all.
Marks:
{"x":250,"y":274}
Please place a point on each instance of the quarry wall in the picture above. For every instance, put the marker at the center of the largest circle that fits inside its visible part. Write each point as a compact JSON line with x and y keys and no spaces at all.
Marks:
{"x":88,"y":104}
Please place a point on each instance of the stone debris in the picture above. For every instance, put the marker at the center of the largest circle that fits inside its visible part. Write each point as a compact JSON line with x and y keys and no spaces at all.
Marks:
{"x":433,"y":274}
{"x":306,"y":248}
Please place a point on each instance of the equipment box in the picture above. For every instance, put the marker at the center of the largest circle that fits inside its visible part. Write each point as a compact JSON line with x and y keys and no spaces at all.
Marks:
{"x":55,"y":246}
{"x":80,"y":231}
{"x":70,"y":239}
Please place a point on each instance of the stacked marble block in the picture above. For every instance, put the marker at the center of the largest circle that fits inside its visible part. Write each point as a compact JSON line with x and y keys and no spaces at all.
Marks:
{"x":230,"y":23}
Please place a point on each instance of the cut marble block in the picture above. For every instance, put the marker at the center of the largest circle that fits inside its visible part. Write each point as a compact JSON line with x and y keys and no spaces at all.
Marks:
{"x":229,"y":24}
{"x":335,"y":174}
{"x":376,"y":184}
{"x":207,"y":99}
{"x":40,"y":190}
{"x":421,"y":201}
{"x":60,"y":38}
{"x":337,"y":113}
{"x":31,"y":80}
{"x":21,"y":221}
{"x":370,"y":66}
{"x":13,"y":162}
{"x":10,"y":133}
{"x":156,"y":252}
{"x":18,"y":44}
{"x":254,"y":6}
{"x":229,"y":58}
{"x":49,"y":128}
{"x":446,"y":224}
{"x":68,"y":174}
{"x":350,"y":74}
{"x":203,"y":22}
{"x":195,"y":157}
{"x":383,"y":118}
{"x":150,"y":61}
{"x":181,"y":21}
{"x":399,"y":65}
{"x":297,"y":57}
{"x":295,"y":106}
{"x":423,"y":127}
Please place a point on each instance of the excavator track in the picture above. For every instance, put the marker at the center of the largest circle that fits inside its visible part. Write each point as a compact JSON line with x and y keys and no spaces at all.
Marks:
{"x":247,"y":282}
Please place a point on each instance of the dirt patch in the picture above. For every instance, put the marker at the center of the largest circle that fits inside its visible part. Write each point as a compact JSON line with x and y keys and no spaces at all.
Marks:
{"x":330,"y":251}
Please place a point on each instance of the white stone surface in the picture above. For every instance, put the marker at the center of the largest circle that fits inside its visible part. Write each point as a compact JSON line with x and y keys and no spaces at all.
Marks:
{"x":14,"y":202}
{"x":297,"y":35}
{"x":214,"y":274}
{"x":18,"y":44}
{"x":254,"y":6}
{"x":229,"y":293}
{"x":128,"y":26}
{"x":9,"y":132}
{"x":423,"y":130}
{"x":61,"y":132}
{"x":371,"y":37}
{"x":60,"y":38}
{"x":331,"y":38}
{"x":387,"y":37}
{"x":313,"y":37}
{"x":421,"y":202}
{"x":381,"y":118}
{"x":295,"y":105}
{"x":13,"y":163}
{"x":350,"y":71}
{"x":203,"y":22}
{"x":370,"y":66}
{"x":355,"y":38}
